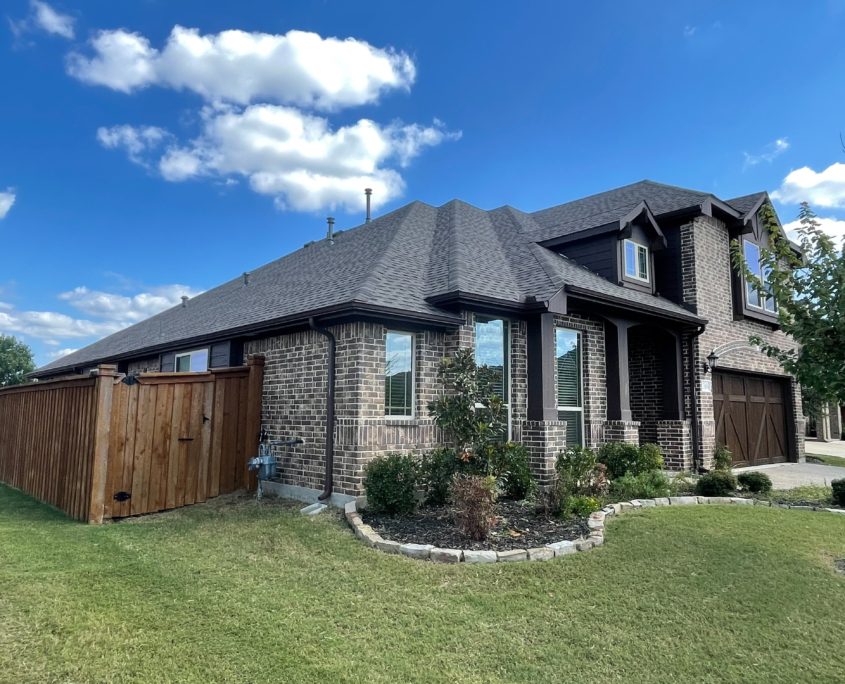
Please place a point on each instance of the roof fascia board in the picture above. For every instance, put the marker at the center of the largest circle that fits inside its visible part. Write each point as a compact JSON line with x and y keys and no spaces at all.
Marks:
{"x":629,"y":305}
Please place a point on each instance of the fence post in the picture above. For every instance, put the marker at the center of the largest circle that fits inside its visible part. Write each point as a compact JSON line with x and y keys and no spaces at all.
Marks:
{"x":102,"y":428}
{"x":253,"y":414}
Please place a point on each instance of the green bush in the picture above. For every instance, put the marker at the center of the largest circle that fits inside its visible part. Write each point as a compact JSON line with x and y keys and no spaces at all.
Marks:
{"x":579,"y":472}
{"x":473,"y":497}
{"x":437,"y":470}
{"x":717,"y":483}
{"x":722,"y":458}
{"x":838,"y":487}
{"x":508,"y":463}
{"x":621,"y":458}
{"x":682,"y":484}
{"x":755,"y":482}
{"x":391,"y":484}
{"x":647,"y":485}
{"x":579,"y":506}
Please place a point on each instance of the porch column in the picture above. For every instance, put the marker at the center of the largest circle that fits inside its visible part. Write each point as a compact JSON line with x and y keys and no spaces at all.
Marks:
{"x":542,"y":402}
{"x":542,"y":433}
{"x":616,"y":352}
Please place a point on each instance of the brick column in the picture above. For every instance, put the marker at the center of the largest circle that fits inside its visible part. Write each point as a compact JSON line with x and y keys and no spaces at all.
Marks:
{"x":622,"y":431}
{"x":674,"y":438}
{"x":544,"y":439}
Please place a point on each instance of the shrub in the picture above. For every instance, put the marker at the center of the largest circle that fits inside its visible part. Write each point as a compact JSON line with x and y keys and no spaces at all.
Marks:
{"x":579,"y":506}
{"x":473,"y":497}
{"x":722,"y":458}
{"x":579,"y":473}
{"x":755,"y":481}
{"x":647,"y":485}
{"x":391,"y":484}
{"x":508,"y":463}
{"x":621,"y":458}
{"x":838,"y":487}
{"x":717,"y":483}
{"x":682,"y":483}
{"x":437,"y":471}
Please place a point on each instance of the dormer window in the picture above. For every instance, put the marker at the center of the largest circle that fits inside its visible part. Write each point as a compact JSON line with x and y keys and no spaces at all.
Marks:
{"x":636,"y":261}
{"x":755,"y":296}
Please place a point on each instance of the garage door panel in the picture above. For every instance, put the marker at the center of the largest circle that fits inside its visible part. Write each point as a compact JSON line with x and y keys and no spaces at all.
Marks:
{"x":750,"y":413}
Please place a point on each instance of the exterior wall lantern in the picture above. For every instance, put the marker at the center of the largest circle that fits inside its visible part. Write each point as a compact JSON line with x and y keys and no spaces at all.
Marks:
{"x":710,"y":364}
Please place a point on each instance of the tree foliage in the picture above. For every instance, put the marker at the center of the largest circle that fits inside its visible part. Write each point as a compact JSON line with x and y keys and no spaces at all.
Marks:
{"x":809,"y":288}
{"x":15,"y":361}
{"x":470,"y":413}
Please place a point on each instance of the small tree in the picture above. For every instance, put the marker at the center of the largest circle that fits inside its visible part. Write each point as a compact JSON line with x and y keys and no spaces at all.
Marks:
{"x":809,"y":289}
{"x":15,"y":361}
{"x":470,"y":413}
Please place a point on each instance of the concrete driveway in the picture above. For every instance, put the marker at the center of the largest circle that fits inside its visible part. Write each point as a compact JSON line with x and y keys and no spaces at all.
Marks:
{"x":833,"y":448}
{"x":790,"y":475}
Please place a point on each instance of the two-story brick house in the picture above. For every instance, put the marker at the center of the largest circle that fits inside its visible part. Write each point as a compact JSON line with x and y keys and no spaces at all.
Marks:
{"x":614,"y":317}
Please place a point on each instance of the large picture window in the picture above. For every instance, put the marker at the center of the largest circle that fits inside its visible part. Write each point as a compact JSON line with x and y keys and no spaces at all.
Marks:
{"x":754,"y":296}
{"x":192,"y":362}
{"x":492,"y":349}
{"x":570,"y":405}
{"x":399,"y":374}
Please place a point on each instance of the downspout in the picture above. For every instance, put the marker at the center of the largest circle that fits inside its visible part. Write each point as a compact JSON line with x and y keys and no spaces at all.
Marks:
{"x":328,"y":481}
{"x":696,"y":433}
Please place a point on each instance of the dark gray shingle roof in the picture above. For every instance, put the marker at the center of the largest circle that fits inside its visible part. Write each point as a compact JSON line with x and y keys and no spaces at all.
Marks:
{"x":399,"y":262}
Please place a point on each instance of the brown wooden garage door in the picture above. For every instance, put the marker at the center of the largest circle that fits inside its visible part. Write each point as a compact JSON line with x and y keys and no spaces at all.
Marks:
{"x":750,"y":413}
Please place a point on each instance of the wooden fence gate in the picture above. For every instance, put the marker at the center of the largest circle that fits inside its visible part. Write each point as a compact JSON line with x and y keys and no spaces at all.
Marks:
{"x":109,"y":446}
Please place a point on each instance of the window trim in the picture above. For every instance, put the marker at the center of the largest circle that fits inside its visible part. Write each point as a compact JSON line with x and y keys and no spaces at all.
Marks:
{"x":508,"y":350}
{"x":413,"y":413}
{"x":579,"y":409}
{"x":637,"y":246}
{"x":190,"y":354}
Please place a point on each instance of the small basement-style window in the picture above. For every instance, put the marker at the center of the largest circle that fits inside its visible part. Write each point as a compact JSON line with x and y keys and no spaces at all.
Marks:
{"x":399,"y":374}
{"x":570,"y":406}
{"x":755,"y":297}
{"x":636,"y":260}
{"x":192,"y":362}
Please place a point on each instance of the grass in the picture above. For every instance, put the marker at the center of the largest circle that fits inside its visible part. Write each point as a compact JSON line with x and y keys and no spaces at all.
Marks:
{"x":824,"y":459}
{"x":252,"y":592}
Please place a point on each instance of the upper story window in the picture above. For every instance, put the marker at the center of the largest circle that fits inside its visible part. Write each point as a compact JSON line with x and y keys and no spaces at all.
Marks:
{"x":195,"y":361}
{"x":636,"y":261}
{"x":492,"y":349}
{"x":570,"y":405}
{"x":756,"y":297}
{"x":399,"y":374}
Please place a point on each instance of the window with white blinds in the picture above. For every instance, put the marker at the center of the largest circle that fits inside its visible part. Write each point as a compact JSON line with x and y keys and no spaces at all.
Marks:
{"x":570,"y":383}
{"x":399,"y":374}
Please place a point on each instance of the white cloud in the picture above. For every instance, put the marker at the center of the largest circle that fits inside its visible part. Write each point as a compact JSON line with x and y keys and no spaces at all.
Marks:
{"x":299,"y":67}
{"x":51,"y":21}
{"x":7,"y":199}
{"x":104,"y":313}
{"x":297,"y":158}
{"x":821,"y":189}
{"x":768,"y":154}
{"x":136,"y":141}
{"x":689,"y":31}
{"x":834,"y":227}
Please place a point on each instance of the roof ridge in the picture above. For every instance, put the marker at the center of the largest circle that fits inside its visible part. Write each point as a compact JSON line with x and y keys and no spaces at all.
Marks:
{"x":531,"y":245}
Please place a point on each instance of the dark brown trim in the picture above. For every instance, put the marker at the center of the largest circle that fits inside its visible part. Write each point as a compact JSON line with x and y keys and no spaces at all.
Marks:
{"x":629,"y":306}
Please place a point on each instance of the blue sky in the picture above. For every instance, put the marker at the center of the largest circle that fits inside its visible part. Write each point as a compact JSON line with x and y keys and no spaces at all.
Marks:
{"x":147,"y":151}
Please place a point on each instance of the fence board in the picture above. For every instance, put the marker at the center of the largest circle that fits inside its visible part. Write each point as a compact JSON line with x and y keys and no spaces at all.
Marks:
{"x":168,"y":440}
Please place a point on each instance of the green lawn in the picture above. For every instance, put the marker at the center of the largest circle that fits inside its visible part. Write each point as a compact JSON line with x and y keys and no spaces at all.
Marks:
{"x":258,"y":593}
{"x":826,"y":460}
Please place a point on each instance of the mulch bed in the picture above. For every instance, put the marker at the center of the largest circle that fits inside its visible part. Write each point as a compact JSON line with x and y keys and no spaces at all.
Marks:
{"x":518,"y":526}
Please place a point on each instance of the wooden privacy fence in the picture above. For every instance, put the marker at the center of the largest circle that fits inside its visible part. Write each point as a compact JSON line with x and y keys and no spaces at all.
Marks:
{"x":108,"y":446}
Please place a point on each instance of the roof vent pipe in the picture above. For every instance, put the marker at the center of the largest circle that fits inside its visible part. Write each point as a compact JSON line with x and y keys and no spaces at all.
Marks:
{"x":184,"y":301}
{"x":330,"y":232}
{"x":246,"y":277}
{"x":368,"y":192}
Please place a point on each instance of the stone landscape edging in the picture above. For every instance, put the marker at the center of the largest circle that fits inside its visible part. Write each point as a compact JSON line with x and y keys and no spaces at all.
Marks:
{"x":595,"y":538}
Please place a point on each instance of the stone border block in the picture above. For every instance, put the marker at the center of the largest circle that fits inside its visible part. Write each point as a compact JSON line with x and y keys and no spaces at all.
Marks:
{"x":541,"y":554}
{"x":512,"y":555}
{"x":446,"y":555}
{"x":480,"y":556}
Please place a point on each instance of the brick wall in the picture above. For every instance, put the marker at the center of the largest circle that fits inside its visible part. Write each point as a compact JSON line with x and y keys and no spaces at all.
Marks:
{"x":645,"y":381}
{"x":149,"y":365}
{"x":705,"y":259}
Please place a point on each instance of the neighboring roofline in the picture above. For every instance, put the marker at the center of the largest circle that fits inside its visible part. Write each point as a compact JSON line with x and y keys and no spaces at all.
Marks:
{"x":253,"y":330}
{"x":628,"y":304}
